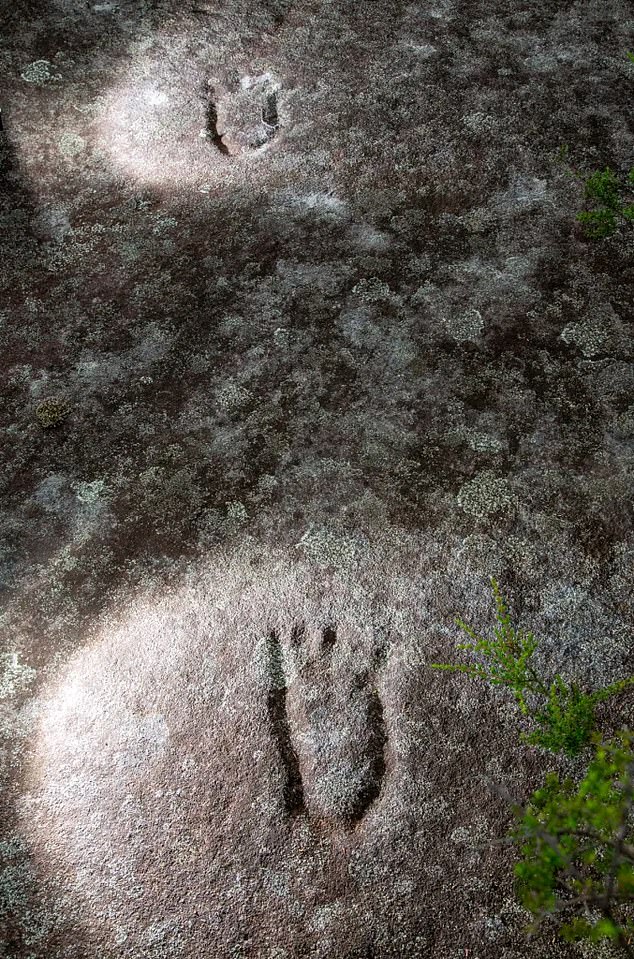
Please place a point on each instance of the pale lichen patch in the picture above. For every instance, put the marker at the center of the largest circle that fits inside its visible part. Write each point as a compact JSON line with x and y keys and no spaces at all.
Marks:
{"x":40,"y":72}
{"x":465,"y":327}
{"x":487,"y":494}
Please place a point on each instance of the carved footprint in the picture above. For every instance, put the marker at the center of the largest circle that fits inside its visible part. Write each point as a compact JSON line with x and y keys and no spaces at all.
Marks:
{"x":327,"y":718}
{"x":244,"y":119}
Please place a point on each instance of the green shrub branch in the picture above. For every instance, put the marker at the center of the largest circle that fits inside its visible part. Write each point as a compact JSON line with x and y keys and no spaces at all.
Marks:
{"x":575,"y":841}
{"x":563,"y":714}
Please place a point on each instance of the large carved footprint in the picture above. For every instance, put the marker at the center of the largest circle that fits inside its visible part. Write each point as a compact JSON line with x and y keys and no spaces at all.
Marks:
{"x":326,"y":716}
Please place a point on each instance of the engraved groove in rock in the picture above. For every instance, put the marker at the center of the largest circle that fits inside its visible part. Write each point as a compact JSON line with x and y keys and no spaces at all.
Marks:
{"x":376,"y":753}
{"x":379,"y":656}
{"x":293,"y":789}
{"x":377,"y":741}
{"x":212,"y":126}
{"x":298,"y":633}
{"x":328,"y":638}
{"x":269,"y":113}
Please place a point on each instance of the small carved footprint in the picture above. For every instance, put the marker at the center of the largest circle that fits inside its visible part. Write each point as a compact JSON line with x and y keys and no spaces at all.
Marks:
{"x":326,"y":717}
{"x":243,"y":119}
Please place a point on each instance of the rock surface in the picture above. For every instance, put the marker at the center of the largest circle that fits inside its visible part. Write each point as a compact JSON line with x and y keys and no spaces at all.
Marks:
{"x":301,"y":342}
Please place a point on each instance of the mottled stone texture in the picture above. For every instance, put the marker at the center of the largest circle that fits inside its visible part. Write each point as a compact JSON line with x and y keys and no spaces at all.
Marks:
{"x":300,"y":343}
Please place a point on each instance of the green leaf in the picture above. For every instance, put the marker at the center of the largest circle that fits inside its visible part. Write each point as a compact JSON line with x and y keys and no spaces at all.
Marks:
{"x":614,"y":688}
{"x":568,"y":838}
{"x":597,"y":224}
{"x":603,"y":186}
{"x":576,"y":930}
{"x":574,"y":838}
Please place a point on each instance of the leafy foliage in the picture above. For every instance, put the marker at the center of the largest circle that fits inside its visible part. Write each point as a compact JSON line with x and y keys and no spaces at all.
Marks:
{"x":506,"y":656}
{"x":576,"y":841}
{"x":602,"y":190}
{"x":603,"y":187}
{"x":577,"y":848}
{"x":567,"y":720}
{"x":598,"y":224}
{"x":563,"y":714}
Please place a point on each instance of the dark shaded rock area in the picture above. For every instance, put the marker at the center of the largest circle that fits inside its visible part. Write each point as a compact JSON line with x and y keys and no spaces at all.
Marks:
{"x":301,"y":343}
